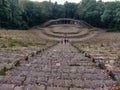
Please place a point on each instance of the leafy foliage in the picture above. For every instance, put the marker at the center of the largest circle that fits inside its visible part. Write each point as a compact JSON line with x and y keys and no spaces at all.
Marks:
{"x":24,"y":14}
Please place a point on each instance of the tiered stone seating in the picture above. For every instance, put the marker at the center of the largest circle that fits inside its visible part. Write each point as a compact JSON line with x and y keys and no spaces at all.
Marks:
{"x":106,"y":54}
{"x":72,"y":32}
{"x":60,"y":67}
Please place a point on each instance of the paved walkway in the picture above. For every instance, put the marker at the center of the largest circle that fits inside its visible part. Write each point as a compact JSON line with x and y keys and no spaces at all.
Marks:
{"x":59,"y":68}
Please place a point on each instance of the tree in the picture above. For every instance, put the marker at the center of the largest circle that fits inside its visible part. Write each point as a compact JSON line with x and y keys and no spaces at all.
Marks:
{"x":70,"y":10}
{"x":92,"y":11}
{"x":4,"y":13}
{"x":58,"y":11}
{"x":16,"y":11}
{"x":46,"y":9}
{"x":24,"y":14}
{"x":111,"y":15}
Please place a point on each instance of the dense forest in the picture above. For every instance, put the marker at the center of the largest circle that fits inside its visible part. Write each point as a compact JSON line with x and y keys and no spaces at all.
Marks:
{"x":24,"y":14}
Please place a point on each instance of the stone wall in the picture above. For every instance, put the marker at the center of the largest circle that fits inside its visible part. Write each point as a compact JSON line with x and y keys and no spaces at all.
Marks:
{"x":67,"y":21}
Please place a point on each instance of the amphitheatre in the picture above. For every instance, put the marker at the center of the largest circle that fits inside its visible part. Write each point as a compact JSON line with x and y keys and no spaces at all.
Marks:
{"x":61,"y":54}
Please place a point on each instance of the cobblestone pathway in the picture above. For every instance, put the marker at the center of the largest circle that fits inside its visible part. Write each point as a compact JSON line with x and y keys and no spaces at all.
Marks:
{"x":59,"y":68}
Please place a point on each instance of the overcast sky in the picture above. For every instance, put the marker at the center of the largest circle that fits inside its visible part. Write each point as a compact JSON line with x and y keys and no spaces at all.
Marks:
{"x":62,"y":1}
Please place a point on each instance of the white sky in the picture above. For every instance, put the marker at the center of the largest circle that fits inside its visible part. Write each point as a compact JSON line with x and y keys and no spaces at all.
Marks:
{"x":62,"y":1}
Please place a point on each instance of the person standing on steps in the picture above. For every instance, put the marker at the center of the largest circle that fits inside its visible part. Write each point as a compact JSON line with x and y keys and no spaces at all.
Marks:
{"x":64,"y":40}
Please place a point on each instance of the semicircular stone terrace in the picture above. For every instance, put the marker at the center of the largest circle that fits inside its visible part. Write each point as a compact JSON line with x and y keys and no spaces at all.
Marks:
{"x":71,"y":32}
{"x":66,"y":30}
{"x":81,"y":23}
{"x":83,"y":33}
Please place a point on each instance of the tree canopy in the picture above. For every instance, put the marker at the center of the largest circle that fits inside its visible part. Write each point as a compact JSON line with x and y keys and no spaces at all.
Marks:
{"x":24,"y":14}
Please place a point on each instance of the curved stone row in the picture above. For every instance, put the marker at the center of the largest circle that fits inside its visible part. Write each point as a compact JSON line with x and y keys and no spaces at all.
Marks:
{"x":81,"y":23}
{"x":72,"y":32}
{"x":64,"y":29}
{"x":83,"y":33}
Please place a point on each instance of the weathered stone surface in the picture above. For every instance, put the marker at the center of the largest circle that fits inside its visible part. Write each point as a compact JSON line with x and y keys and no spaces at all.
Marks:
{"x":59,"y":68}
{"x":42,"y":87}
{"x":76,"y":89}
{"x":18,"y":88}
{"x":7,"y":87}
{"x":30,"y":87}
{"x":1,"y":79}
{"x":56,"y":88}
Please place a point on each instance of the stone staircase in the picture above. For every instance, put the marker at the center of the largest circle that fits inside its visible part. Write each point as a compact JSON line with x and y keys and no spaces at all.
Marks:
{"x":59,"y":68}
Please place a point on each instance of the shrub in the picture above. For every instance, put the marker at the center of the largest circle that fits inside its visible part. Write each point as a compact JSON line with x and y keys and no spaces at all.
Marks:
{"x":3,"y":46}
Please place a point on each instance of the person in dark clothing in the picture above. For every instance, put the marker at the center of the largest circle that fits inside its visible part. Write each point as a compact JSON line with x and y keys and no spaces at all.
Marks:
{"x":65,"y":41}
{"x":93,"y":60}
